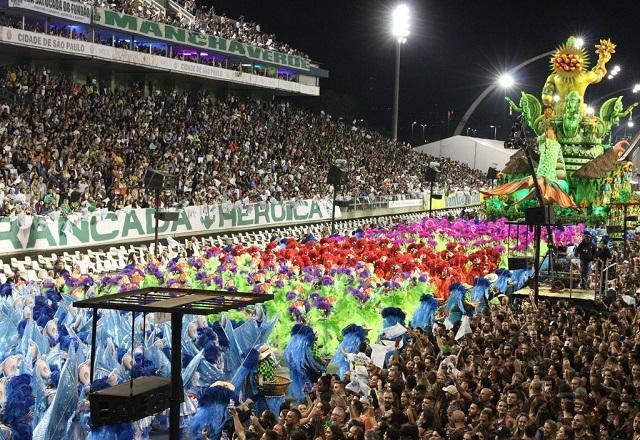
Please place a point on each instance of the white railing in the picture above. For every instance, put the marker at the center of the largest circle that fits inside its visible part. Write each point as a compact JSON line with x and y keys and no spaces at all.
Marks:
{"x":153,"y":5}
{"x":181,"y":12}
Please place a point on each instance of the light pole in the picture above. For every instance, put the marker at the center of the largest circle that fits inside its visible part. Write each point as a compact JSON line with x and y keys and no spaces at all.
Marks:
{"x":495,"y":130}
{"x":423,"y":135}
{"x":400,"y":31}
{"x":502,"y":80}
{"x":413,"y":124}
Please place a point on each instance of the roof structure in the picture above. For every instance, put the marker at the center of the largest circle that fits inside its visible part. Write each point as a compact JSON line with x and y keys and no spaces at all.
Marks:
{"x":174,"y":300}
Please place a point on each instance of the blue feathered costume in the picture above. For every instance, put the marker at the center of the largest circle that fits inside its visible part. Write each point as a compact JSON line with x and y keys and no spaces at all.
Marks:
{"x":480,"y":293}
{"x":392,"y":316}
{"x":455,"y":303}
{"x":504,"y":276}
{"x":19,"y":404}
{"x":213,"y":411}
{"x":424,"y":315}
{"x":303,"y":366}
{"x":352,"y":337}
{"x":519,"y":278}
{"x":246,"y":369}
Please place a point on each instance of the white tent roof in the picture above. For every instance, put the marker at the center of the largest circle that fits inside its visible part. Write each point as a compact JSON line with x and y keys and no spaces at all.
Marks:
{"x":477,"y":153}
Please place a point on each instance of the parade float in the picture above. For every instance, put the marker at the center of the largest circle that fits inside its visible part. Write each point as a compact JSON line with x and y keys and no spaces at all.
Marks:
{"x":577,"y":165}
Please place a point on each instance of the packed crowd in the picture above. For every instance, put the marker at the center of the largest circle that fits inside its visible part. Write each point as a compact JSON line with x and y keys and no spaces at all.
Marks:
{"x":552,"y":371}
{"x":205,"y":19}
{"x":73,"y":147}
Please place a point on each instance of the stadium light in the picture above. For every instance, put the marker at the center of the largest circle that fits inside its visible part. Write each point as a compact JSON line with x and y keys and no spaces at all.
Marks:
{"x":400,"y":23}
{"x":556,"y":98}
{"x":579,"y":43}
{"x":400,"y":31}
{"x":630,"y":123}
{"x":590,"y":110}
{"x":506,"y":80}
{"x":495,"y":130}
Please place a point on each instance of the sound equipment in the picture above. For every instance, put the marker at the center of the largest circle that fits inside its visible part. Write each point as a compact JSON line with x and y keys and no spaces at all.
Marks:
{"x":430,"y":175}
{"x":121,"y":404}
{"x":540,"y":215}
{"x":337,"y":176}
{"x":436,"y":196}
{"x":344,"y":203}
{"x":159,"y":180}
{"x":632,"y":218}
{"x":515,"y":263}
{"x":612,"y":229}
{"x":167,"y":216}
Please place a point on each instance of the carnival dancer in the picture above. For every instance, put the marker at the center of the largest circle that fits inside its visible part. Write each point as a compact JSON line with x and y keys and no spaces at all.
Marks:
{"x":352,"y":338}
{"x":303,"y":365}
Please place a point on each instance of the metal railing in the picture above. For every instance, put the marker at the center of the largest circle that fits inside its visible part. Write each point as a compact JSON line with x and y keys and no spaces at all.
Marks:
{"x":181,"y":11}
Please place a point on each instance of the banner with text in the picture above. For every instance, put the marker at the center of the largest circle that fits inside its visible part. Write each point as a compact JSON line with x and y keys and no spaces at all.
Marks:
{"x":407,"y":203}
{"x":462,"y":199}
{"x":104,"y":227}
{"x":161,"y":31}
{"x":83,"y":48}
{"x":74,"y":11}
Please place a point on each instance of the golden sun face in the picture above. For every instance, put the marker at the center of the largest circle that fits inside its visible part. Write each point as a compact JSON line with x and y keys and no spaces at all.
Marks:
{"x":569,"y":61}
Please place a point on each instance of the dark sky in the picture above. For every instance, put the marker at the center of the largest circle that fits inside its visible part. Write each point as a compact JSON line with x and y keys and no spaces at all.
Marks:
{"x":454,"y":51}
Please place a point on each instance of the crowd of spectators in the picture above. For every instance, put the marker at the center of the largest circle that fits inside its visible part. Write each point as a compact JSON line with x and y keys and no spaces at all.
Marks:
{"x":555,"y":371}
{"x":205,"y":19}
{"x":72,"y":147}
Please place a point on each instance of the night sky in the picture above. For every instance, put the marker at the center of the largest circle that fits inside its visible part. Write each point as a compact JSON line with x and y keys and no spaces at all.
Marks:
{"x":454,"y":51}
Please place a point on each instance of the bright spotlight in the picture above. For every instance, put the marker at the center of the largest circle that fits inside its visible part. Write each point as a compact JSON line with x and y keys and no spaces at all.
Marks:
{"x":616,"y":68}
{"x":506,"y":81}
{"x":630,"y":124}
{"x":556,"y":98}
{"x":590,"y":110}
{"x":579,"y":43}
{"x":609,"y":76}
{"x":400,"y":22}
{"x":636,"y":88}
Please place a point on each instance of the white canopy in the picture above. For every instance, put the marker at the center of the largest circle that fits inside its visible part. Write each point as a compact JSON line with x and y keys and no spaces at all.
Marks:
{"x":477,"y":153}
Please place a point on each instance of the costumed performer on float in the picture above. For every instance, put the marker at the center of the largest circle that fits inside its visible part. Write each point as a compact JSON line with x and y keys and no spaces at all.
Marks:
{"x":299,"y":356}
{"x":352,"y":338}
{"x":481,"y":291}
{"x":213,"y":411}
{"x":393,"y":330}
{"x":457,"y":305}
{"x":424,"y":316}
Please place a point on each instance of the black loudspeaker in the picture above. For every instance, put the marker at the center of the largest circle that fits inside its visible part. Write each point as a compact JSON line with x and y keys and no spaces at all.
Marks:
{"x":492,"y":173}
{"x":337,"y":176}
{"x":540,"y":215}
{"x":515,"y":263}
{"x":159,"y":180}
{"x":167,"y":216}
{"x":436,"y":196}
{"x":612,"y":229}
{"x":632,"y":218}
{"x":430,"y":175}
{"x":120,"y":404}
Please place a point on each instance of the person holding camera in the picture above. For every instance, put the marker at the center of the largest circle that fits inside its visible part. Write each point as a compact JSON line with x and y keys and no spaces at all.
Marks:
{"x":586,"y":251}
